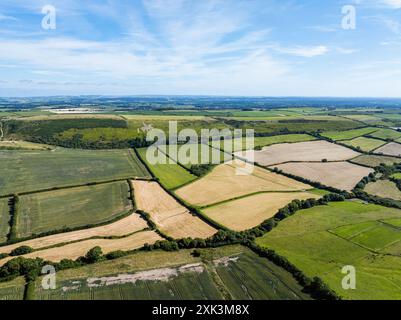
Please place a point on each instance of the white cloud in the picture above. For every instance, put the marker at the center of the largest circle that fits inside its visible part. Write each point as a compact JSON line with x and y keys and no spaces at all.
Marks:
{"x":303,"y":51}
{"x":4,"y":17}
{"x":396,"y":4}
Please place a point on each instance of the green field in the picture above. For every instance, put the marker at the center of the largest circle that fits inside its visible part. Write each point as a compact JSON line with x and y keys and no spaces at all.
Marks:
{"x":384,"y":189}
{"x":386,"y":134}
{"x":259,"y":142}
{"x":4,"y":219}
{"x":349,"y":134}
{"x":375,"y":160}
{"x":232,"y":272}
{"x":394,"y":222}
{"x":23,"y":171}
{"x":397,"y":175}
{"x":196,"y":154}
{"x":171,"y":175}
{"x":12,"y":290}
{"x":317,"y":251}
{"x":365,"y":144}
{"x":71,"y":208}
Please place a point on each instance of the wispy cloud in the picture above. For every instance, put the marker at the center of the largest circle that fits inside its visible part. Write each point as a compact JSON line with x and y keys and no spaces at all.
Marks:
{"x":303,"y":51}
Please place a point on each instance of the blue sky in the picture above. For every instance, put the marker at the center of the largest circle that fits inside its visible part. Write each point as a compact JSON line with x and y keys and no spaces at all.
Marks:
{"x":201,"y":47}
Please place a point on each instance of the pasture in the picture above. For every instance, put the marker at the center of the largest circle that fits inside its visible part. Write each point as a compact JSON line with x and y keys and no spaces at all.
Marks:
{"x":230,"y":180}
{"x":309,"y":241}
{"x":196,"y":154}
{"x":365,"y":144}
{"x":78,"y":249}
{"x":171,"y":217}
{"x":390,"y":149}
{"x":71,"y":208}
{"x":123,"y":227}
{"x":241,"y":144}
{"x":386,"y":134}
{"x":302,"y":151}
{"x":340,"y":175}
{"x":384,"y":189}
{"x":26,"y":171}
{"x":248,"y":212}
{"x":170,"y":175}
{"x":232,"y":272}
{"x":375,"y":160}
{"x":349,"y":134}
{"x":4,"y":219}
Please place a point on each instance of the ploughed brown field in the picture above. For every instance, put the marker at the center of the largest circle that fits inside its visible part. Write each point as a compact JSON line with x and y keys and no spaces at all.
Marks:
{"x":302,"y":151}
{"x":171,"y":217}
{"x":229,"y":181}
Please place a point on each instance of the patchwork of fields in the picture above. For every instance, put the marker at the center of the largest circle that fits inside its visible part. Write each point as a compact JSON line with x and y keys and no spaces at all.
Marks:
{"x":111,"y":200}
{"x":172,"y":218}
{"x":171,"y":175}
{"x":225,"y":182}
{"x":340,"y":234}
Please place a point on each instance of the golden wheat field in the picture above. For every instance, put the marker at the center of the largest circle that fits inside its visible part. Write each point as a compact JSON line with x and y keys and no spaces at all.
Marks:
{"x":225,"y":182}
{"x":171,"y":217}
{"x":248,"y":212}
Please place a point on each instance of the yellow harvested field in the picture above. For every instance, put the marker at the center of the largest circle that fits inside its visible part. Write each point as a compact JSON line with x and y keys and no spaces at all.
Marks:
{"x":123,"y":227}
{"x":340,"y":175}
{"x":390,"y":149}
{"x":79,"y":249}
{"x":171,"y":217}
{"x":249,"y":212}
{"x":223,"y":183}
{"x":302,"y":151}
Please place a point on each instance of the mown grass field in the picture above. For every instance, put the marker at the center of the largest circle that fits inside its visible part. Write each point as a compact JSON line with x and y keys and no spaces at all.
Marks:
{"x":349,"y":134}
{"x":24,"y":145}
{"x":365,"y":144}
{"x":386,"y":134}
{"x":375,"y":160}
{"x":171,"y":175}
{"x":318,"y":251}
{"x":231,"y":272}
{"x":384,"y":189}
{"x":23,"y":171}
{"x":4,"y":219}
{"x":71,"y":208}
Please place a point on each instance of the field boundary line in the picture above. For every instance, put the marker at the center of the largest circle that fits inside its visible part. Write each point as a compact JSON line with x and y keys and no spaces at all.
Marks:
{"x":87,"y":184}
{"x":248,"y":196}
{"x":123,"y":215}
{"x":191,"y":209}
